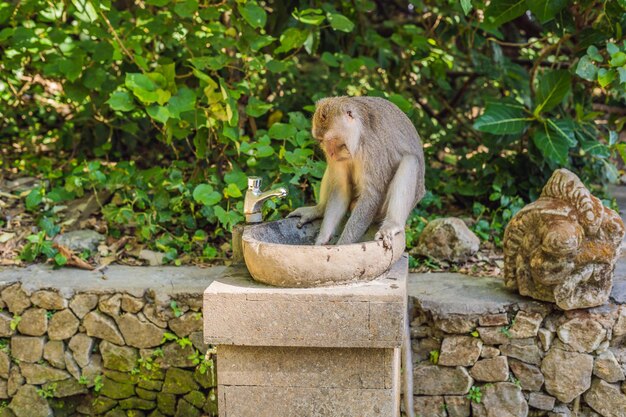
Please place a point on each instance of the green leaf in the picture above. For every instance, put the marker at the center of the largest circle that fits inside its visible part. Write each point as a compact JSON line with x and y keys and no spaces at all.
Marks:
{"x":238,"y":178}
{"x":553,"y":87}
{"x":186,"y":8}
{"x":402,"y":103}
{"x":253,"y":14}
{"x":551,"y":144}
{"x":606,"y":77}
{"x":34,"y":198}
{"x":594,"y":54}
{"x":282,"y":131}
{"x":204,"y":194}
{"x":466,"y":5}
{"x":158,"y":3}
{"x":611,"y":48}
{"x":71,"y":67}
{"x":564,"y":128}
{"x":232,"y":191}
{"x":291,"y":38}
{"x":502,"y":11}
{"x":622,"y":75}
{"x":340,"y":22}
{"x":546,"y":10}
{"x":159,"y":113}
{"x":586,"y":69}
{"x":257,"y":108}
{"x":618,"y":59}
{"x":309,"y":16}
{"x":503,"y":119}
{"x":85,"y":11}
{"x":121,"y":101}
{"x":145,"y":89}
{"x":184,"y":100}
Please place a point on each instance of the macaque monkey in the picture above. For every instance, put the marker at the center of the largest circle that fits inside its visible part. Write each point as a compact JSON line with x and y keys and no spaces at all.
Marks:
{"x":375,"y":168}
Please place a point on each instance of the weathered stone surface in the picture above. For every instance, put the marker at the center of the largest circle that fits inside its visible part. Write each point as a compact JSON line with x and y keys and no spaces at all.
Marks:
{"x":175,"y":355}
{"x":63,"y":325}
{"x":493,"y":335}
{"x":619,"y":329}
{"x":149,"y":384}
{"x":429,"y":406}
{"x":523,"y":349}
{"x":110,"y":304}
{"x":145,"y":394}
{"x":606,"y":367}
{"x":5,"y":325}
{"x":155,"y":316}
{"x":529,"y":376}
{"x":184,"y":408}
{"x":448,"y":239}
{"x":34,"y":322}
{"x":53,"y":352}
{"x":132,"y":304}
{"x":455,"y":324}
{"x":206,"y":379}
{"x":423,"y":347}
{"x":26,"y":348}
{"x":526,"y":324}
{"x":136,"y":403}
{"x":82,"y":304}
{"x":489,"y":352}
{"x":16,"y":299}
{"x":582,"y":334}
{"x":541,"y":401}
{"x":116,"y":390}
{"x":491,"y":370}
{"x":5,"y":364}
{"x":186,"y":324}
{"x":166,"y":403}
{"x":500,"y":319}
{"x":139,"y":333}
{"x":66,"y":388}
{"x":101,"y":405}
{"x":195,"y":398}
{"x":570,"y":245}
{"x":40,"y":374}
{"x":70,"y":365}
{"x":606,"y":399}
{"x":81,"y":346}
{"x":502,"y":399}
{"x":27,"y":403}
{"x":15,"y":381}
{"x":4,"y":392}
{"x":441,"y":380}
{"x":179,"y":381}
{"x":567,"y":374}
{"x":80,"y":240}
{"x":95,"y":368}
{"x":545,"y":337}
{"x":457,"y":406}
{"x":100,"y":326}
{"x":460,"y":351}
{"x":118,"y":358}
{"x":49,"y":300}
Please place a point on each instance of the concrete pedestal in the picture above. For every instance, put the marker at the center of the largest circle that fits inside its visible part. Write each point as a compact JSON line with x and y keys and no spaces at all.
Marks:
{"x":332,"y":351}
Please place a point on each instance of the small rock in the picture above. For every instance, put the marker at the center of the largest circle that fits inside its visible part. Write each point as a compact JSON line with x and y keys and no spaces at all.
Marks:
{"x":177,"y":356}
{"x":619,"y":329}
{"x":441,"y":380}
{"x":493,"y":335}
{"x":491,"y":370}
{"x":124,"y":377}
{"x":206,"y":379}
{"x":63,"y":325}
{"x":155,"y":316}
{"x":179,"y":381}
{"x":53,"y":352}
{"x":71,"y":365}
{"x":49,"y":300}
{"x":500,"y":319}
{"x":27,"y":403}
{"x":529,"y":376}
{"x":455,"y":324}
{"x":101,"y":405}
{"x":80,"y":240}
{"x":118,"y":358}
{"x":153,"y":258}
{"x":110,"y":304}
{"x":567,"y":374}
{"x":184,"y":325}
{"x":526,"y":325}
{"x":457,"y":406}
{"x":66,"y":388}
{"x":145,"y":394}
{"x":15,"y":381}
{"x":184,"y":408}
{"x":5,"y":364}
{"x":423,"y":347}
{"x":93,"y":370}
{"x":100,"y":326}
{"x":116,"y":390}
{"x":502,"y":399}
{"x":81,"y":346}
{"x":606,"y":367}
{"x":40,"y":374}
{"x":149,"y":384}
{"x":197,"y":399}
{"x":197,"y":339}
{"x":541,"y":401}
{"x":4,"y":392}
{"x":26,"y":348}
{"x":16,"y":299}
{"x":139,"y":333}
{"x":132,"y":304}
{"x":460,"y":351}
{"x":518,"y":349}
{"x":545,"y":337}
{"x":82,"y":304}
{"x":34,"y":322}
{"x":136,"y":403}
{"x":489,"y":352}
{"x":582,"y":334}
{"x":448,"y":239}
{"x":166,"y":403}
{"x":429,"y":406}
{"x":5,"y":325}
{"x":606,"y":399}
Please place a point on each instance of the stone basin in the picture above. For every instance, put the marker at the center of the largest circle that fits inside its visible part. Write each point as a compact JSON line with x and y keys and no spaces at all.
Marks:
{"x":278,"y":253}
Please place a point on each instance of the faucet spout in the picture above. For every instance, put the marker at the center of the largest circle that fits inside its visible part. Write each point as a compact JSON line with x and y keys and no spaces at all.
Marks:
{"x":254,"y":199}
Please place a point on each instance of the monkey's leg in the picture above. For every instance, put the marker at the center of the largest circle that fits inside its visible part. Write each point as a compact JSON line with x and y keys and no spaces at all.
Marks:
{"x":362,"y":216}
{"x":400,"y":200}
{"x":336,"y":196}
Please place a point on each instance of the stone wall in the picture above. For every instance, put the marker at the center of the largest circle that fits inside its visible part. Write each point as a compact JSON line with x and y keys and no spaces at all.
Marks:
{"x":480,"y":350}
{"x":126,"y":342}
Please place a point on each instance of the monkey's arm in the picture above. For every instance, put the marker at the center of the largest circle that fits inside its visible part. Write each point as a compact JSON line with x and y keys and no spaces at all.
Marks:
{"x":308,"y":214}
{"x":362,"y":216}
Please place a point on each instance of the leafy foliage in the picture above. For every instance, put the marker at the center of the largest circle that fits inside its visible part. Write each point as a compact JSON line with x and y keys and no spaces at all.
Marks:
{"x":167,"y":106}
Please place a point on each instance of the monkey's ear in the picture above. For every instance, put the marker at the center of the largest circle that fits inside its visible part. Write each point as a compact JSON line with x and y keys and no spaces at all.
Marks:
{"x":349,"y":113}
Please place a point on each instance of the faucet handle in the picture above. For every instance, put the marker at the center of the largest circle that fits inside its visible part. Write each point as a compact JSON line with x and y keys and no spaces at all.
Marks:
{"x":254,"y":183}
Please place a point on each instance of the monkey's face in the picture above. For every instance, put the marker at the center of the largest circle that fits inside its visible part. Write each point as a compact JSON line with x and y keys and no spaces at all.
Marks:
{"x":336,"y":128}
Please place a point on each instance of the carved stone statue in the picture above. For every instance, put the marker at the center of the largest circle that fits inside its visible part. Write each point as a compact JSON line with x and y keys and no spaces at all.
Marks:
{"x":563,"y":247}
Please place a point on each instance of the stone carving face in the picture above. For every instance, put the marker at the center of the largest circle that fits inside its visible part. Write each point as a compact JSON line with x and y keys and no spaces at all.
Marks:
{"x":563,"y":247}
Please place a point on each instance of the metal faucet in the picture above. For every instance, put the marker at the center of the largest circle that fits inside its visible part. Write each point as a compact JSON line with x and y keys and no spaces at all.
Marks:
{"x":254,"y":199}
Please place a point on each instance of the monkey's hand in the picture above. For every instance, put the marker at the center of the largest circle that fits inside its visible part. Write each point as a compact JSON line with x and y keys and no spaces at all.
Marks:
{"x":387,"y":232}
{"x":306,"y":214}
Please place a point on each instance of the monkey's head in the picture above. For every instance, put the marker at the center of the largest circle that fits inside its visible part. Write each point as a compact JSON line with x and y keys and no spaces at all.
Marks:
{"x":337,"y":127}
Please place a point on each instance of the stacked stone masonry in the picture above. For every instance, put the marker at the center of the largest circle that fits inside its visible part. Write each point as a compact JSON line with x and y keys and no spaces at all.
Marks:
{"x":127,"y":342}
